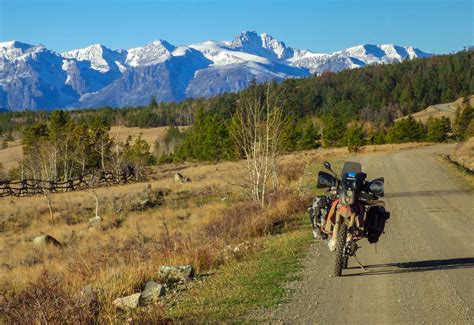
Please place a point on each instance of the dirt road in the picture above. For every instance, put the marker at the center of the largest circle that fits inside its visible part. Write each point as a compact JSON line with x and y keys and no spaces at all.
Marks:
{"x":422,"y":270}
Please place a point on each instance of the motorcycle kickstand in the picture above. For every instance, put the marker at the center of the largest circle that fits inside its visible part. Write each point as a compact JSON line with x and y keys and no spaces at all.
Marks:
{"x":358,"y":262}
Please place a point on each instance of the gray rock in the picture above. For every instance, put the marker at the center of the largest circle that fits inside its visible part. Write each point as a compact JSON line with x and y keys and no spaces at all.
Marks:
{"x":172,"y":274}
{"x":46,"y":240}
{"x":152,"y":292}
{"x":128,"y":302}
{"x":180,"y":178}
{"x":94,"y":222}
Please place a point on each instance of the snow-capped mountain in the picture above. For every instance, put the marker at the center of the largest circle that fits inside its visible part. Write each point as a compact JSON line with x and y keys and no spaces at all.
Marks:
{"x":33,"y":77}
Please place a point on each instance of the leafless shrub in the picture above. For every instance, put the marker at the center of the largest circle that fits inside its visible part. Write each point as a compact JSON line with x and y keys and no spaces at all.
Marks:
{"x":256,"y":128}
{"x":46,"y":301}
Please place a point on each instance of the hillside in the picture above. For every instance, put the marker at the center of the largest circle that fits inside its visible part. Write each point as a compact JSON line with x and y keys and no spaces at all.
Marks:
{"x":441,"y":110}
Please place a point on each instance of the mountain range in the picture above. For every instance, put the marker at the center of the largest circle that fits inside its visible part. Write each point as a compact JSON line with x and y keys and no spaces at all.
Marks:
{"x":34,"y":77}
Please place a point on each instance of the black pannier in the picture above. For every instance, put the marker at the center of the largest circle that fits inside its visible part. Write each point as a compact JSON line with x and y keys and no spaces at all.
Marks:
{"x":375,"y":219}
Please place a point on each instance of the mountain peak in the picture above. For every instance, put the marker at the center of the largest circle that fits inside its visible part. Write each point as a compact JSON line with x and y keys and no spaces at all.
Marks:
{"x":101,"y":57}
{"x":18,"y":45}
{"x":12,"y":50}
{"x":153,"y":53}
{"x":246,"y":38}
{"x":263,"y":45}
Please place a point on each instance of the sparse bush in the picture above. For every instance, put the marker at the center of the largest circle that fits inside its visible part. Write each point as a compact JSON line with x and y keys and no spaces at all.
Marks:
{"x":47,"y":301}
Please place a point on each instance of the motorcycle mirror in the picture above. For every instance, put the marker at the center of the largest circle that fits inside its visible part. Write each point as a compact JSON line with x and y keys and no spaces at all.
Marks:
{"x":327,"y":165}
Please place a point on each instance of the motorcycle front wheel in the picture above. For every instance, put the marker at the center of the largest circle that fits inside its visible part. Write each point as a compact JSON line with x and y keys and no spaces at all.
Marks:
{"x":340,"y":250}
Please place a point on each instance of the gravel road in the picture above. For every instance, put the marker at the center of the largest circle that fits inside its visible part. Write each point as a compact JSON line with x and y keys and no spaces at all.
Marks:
{"x":421,"y":271}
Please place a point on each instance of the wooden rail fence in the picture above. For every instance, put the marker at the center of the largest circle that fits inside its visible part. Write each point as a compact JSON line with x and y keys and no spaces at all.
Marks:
{"x":28,"y":187}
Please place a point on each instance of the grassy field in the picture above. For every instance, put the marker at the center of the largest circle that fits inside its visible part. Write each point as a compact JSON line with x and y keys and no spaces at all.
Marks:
{"x":11,"y":155}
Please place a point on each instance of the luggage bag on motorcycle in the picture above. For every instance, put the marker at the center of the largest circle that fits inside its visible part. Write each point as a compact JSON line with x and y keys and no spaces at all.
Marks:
{"x":376,"y":216}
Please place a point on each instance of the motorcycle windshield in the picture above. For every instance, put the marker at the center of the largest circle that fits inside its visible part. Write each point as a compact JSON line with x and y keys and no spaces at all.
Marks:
{"x":351,"y":167}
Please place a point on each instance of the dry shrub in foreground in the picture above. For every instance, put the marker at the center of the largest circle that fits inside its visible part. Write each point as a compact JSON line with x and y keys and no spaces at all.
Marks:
{"x":248,"y":220}
{"x":46,"y":301}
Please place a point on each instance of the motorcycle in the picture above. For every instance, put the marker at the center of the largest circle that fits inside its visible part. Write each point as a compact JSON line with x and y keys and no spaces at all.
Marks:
{"x":349,"y":212}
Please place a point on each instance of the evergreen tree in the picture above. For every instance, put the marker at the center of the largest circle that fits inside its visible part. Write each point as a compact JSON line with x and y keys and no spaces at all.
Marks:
{"x":437,"y":129}
{"x":406,"y":130}
{"x":309,"y":135}
{"x":354,"y":138}
{"x":462,"y":120}
{"x":333,"y":132}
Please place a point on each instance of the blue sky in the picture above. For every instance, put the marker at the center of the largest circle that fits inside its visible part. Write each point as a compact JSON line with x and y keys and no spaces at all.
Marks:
{"x":325,"y":26}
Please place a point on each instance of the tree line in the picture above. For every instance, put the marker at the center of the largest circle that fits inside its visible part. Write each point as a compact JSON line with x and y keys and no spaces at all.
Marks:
{"x":61,"y":149}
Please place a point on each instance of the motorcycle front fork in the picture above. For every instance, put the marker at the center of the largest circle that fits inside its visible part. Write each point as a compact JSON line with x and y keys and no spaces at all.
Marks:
{"x":351,"y":244}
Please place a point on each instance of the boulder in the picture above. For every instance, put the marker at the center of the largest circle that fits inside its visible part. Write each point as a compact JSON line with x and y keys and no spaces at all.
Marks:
{"x":46,"y":240}
{"x":94,"y":222}
{"x":173,"y":274}
{"x":151,"y":293}
{"x":128,"y":302}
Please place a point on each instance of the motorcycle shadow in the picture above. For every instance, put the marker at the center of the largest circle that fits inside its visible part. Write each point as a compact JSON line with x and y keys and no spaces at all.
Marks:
{"x":418,"y":266}
{"x":428,"y":193}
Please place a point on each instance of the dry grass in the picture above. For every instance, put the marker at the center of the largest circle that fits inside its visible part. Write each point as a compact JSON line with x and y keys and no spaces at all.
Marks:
{"x":10,"y":156}
{"x":193,"y":226}
{"x":464,"y":153}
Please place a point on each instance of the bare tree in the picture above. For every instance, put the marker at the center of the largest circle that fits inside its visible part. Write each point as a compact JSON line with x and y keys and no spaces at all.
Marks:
{"x":257,"y":125}
{"x":96,"y":197}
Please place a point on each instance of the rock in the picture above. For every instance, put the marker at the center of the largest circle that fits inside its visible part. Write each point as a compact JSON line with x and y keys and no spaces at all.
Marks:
{"x":173,"y":274}
{"x":128,"y":302}
{"x":94,"y":222}
{"x":186,"y":180}
{"x":46,"y":240}
{"x":179,"y":178}
{"x":152,"y":292}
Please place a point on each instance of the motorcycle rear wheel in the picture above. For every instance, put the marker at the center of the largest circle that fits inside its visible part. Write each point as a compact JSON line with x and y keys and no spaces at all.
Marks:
{"x":340,"y":250}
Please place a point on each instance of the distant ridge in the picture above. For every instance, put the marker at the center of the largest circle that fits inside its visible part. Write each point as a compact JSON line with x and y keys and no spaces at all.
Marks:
{"x":34,"y":77}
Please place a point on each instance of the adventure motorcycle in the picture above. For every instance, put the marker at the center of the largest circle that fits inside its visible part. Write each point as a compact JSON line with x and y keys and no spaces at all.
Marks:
{"x":349,"y":212}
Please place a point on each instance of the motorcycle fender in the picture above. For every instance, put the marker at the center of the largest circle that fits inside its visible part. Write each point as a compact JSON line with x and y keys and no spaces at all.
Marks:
{"x":331,"y":217}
